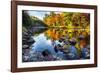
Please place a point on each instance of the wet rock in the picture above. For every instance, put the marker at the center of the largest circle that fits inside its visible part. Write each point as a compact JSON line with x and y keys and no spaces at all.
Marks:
{"x":31,"y":40}
{"x":27,"y":40}
{"x":25,"y":46}
{"x":65,"y":51}
{"x":46,"y":53}
{"x":81,"y":37}
{"x":73,"y":41}
{"x":25,"y":33}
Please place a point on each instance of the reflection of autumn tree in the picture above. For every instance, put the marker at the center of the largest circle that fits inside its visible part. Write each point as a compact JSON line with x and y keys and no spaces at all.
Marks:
{"x":53,"y":33}
{"x":56,"y":33}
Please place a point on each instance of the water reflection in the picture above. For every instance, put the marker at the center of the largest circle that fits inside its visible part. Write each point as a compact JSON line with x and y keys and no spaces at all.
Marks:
{"x":57,"y":33}
{"x":60,"y":44}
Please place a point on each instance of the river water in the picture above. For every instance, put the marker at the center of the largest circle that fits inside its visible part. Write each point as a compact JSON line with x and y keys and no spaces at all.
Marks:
{"x":44,"y":47}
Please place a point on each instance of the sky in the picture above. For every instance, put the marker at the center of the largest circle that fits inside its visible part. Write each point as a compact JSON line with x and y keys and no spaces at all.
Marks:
{"x":38,"y":14}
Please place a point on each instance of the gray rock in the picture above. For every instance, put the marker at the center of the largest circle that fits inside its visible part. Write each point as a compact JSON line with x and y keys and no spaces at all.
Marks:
{"x":25,"y":46}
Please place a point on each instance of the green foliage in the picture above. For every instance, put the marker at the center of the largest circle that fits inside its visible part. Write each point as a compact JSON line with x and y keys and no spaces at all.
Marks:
{"x":24,"y":29}
{"x":37,"y":22}
{"x":26,"y":20}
